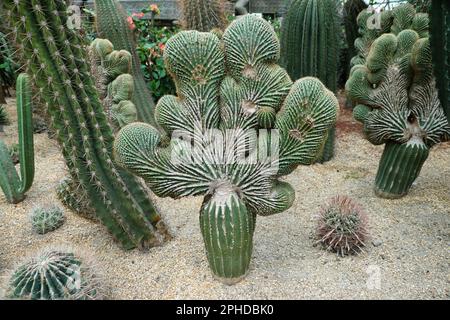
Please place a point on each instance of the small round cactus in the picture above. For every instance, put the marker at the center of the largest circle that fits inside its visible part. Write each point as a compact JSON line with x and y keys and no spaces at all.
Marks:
{"x":44,"y":220}
{"x":342,"y":226}
{"x":55,"y":274}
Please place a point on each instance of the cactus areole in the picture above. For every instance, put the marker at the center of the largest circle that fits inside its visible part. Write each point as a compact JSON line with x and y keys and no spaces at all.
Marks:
{"x":237,"y":124}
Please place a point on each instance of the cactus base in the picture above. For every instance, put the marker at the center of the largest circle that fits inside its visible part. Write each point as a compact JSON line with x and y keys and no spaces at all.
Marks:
{"x":399,"y":167}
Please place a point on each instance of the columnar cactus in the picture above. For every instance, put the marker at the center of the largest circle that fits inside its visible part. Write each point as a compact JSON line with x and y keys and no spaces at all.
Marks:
{"x":398,"y":103}
{"x":228,"y":89}
{"x":13,"y":186}
{"x":440,"y":48}
{"x":111,"y":24}
{"x":46,"y":219}
{"x":203,"y":15}
{"x":56,"y":274}
{"x":309,"y":47}
{"x":57,"y":59}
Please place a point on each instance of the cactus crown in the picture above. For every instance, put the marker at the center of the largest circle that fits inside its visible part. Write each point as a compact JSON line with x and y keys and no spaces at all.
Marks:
{"x":226,"y":88}
{"x":44,"y":220}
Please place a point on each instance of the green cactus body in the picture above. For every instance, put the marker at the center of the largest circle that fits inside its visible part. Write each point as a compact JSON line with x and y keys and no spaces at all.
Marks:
{"x":111,"y":24}
{"x":398,"y":101}
{"x":44,"y":220}
{"x":57,"y":59}
{"x":228,"y":90}
{"x":203,"y":15}
{"x":54,"y":275}
{"x":352,"y":9}
{"x":440,"y":48}
{"x":13,"y":186}
{"x":309,"y":47}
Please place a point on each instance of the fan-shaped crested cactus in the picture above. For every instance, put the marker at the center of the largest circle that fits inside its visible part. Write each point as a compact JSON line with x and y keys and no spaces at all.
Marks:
{"x":399,"y":105}
{"x":229,"y":91}
{"x":55,"y":274}
{"x":13,"y":186}
{"x":57,"y":58}
{"x":203,"y":15}
{"x":440,"y":48}
{"x":309,"y":47}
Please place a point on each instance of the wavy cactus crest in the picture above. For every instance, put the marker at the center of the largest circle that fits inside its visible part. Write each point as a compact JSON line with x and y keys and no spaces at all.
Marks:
{"x":399,"y":104}
{"x":228,"y":90}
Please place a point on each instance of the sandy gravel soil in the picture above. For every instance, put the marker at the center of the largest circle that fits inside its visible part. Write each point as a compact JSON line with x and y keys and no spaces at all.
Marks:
{"x":407,"y":257}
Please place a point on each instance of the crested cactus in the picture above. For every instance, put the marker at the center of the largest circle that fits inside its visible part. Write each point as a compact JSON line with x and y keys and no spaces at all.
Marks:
{"x":398,"y":103}
{"x":56,"y":274}
{"x":237,"y":124}
{"x":57,"y":58}
{"x":309,"y":47}
{"x":203,"y":15}
{"x":111,"y":24}
{"x":13,"y":185}
{"x":342,"y":226}
{"x":44,"y":220}
{"x":440,"y":48}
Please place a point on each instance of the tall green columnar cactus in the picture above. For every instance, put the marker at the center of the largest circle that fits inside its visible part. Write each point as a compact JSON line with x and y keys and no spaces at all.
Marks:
{"x":440,"y":48}
{"x":309,"y":47}
{"x":398,"y":104}
{"x":57,"y":59}
{"x":203,"y":15}
{"x":228,"y":90}
{"x":352,"y":8}
{"x":111,"y":24}
{"x":13,"y":186}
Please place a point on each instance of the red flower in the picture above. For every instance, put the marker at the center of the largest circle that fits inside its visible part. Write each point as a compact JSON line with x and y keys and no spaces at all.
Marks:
{"x":138,"y":15}
{"x":162,"y":46}
{"x":131,"y":24}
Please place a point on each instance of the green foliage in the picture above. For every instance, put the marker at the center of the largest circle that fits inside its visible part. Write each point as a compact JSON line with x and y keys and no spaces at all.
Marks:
{"x":203,"y":15}
{"x":59,"y":65}
{"x":8,"y":67}
{"x":342,"y":226}
{"x":228,"y":88}
{"x":46,"y":219}
{"x":56,"y":274}
{"x":13,"y":185}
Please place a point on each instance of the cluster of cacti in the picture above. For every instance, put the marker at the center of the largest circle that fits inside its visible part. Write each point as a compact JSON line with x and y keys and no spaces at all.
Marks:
{"x":56,"y":274}
{"x":4,"y":119}
{"x":440,"y":49}
{"x":229,"y":90}
{"x":398,"y":101}
{"x":111,"y":23}
{"x":46,"y":219}
{"x":13,"y":185}
{"x":203,"y":15}
{"x":57,"y":59}
{"x":342,"y":226}
{"x":310,"y":47}
{"x":110,"y":69}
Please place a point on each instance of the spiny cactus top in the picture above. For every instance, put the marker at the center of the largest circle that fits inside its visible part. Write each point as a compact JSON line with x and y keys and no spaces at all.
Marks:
{"x":229,"y":91}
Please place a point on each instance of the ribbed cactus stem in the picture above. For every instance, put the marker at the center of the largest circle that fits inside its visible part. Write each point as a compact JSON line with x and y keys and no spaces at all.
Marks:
{"x":399,"y":167}
{"x":203,"y":15}
{"x":57,"y":59}
{"x":111,"y":24}
{"x":12,"y":185}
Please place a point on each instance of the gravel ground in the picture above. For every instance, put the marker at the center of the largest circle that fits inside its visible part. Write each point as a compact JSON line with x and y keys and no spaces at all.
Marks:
{"x":406,"y":258}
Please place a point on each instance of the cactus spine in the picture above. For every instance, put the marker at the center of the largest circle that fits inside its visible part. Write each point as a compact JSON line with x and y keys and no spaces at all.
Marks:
{"x":203,"y":15}
{"x":352,"y":9}
{"x":309,"y":47}
{"x":440,"y":49}
{"x":57,"y":59}
{"x":228,"y":89}
{"x":111,"y":24}
{"x":13,"y":186}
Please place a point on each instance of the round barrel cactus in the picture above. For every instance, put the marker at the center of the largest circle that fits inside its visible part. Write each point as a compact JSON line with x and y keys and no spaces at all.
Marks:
{"x":237,"y":124}
{"x":44,"y":220}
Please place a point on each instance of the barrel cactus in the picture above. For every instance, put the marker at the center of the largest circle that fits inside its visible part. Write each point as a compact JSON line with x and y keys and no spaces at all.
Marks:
{"x":13,"y":185}
{"x":58,"y":62}
{"x":342,"y":226}
{"x":237,"y":124}
{"x":46,"y":219}
{"x":398,"y":103}
{"x":310,"y":47}
{"x":203,"y":15}
{"x":56,"y":274}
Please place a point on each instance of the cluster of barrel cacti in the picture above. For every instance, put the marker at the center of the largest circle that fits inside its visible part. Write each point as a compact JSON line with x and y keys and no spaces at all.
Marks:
{"x":228,"y":89}
{"x":203,"y":15}
{"x":398,"y":101}
{"x":13,"y":185}
{"x":57,"y":59}
{"x":310,"y":47}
